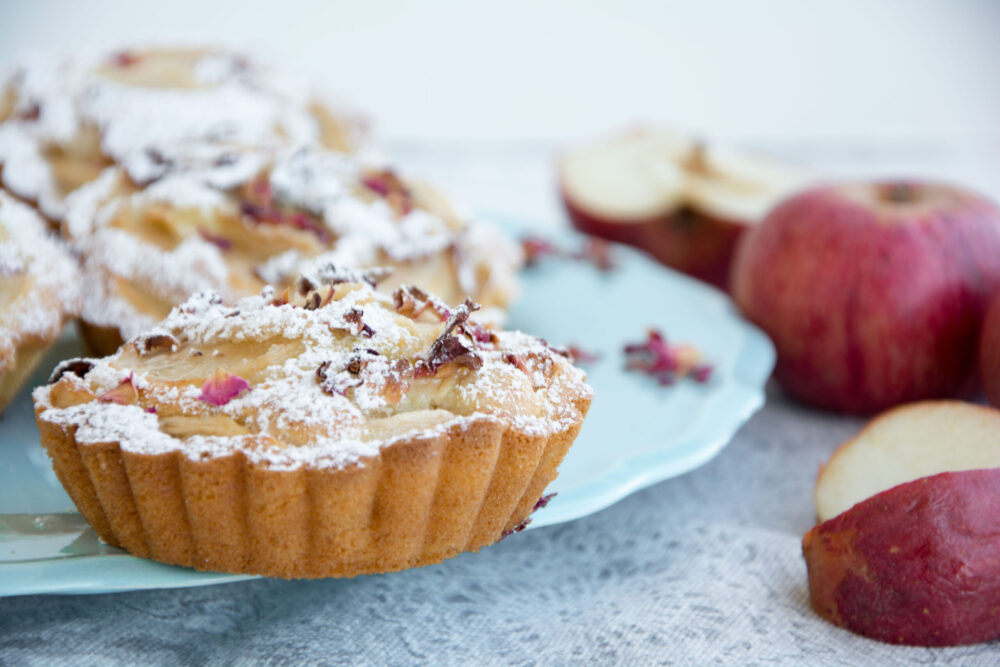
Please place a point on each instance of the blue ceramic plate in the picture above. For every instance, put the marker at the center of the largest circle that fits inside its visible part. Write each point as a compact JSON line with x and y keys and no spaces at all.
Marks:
{"x":637,"y":432}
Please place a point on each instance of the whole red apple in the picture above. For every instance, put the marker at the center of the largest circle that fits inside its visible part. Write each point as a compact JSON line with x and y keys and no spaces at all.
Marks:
{"x":874,"y":293}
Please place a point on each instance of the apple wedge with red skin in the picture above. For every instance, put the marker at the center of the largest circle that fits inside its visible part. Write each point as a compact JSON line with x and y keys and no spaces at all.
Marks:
{"x":908,"y":551}
{"x":684,"y":202}
{"x":873,"y":293}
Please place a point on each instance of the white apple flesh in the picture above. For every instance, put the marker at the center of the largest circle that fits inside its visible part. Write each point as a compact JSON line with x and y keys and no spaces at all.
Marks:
{"x":907,"y":443}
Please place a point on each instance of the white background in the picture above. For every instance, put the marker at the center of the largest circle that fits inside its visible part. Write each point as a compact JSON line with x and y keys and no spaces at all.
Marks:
{"x":854,"y":86}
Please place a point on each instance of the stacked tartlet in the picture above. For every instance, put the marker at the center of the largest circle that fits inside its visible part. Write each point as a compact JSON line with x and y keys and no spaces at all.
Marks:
{"x":307,"y":407}
{"x":263,"y":217}
{"x":38,"y":292}
{"x":64,"y":119}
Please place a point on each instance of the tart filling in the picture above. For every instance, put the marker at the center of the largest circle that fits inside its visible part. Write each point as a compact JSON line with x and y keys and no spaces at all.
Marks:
{"x":324,"y":376}
{"x":147,"y":249}
{"x":63,"y":120}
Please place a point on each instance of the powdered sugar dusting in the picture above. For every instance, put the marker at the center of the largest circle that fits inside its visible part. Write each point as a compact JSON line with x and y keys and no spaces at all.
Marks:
{"x":39,"y":279}
{"x":340,"y":387}
{"x":151,"y":130}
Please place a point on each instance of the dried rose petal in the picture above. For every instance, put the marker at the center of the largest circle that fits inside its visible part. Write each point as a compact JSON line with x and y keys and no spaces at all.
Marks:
{"x":222,"y":387}
{"x":281,"y":299}
{"x":397,"y":381}
{"x":358,"y":327}
{"x":125,"y":58}
{"x":337,"y":383}
{"x":664,"y":362}
{"x":516,"y":529}
{"x":220,"y":242}
{"x":536,"y":375}
{"x":390,"y":187}
{"x":412,"y":301}
{"x":258,"y":191}
{"x":535,"y":248}
{"x":335,"y":275}
{"x":542,"y":502}
{"x":517,"y":362}
{"x":260,"y":206}
{"x":313,"y":301}
{"x":702,"y":373}
{"x":597,"y":252}
{"x":123,"y":394}
{"x":32,"y":112}
{"x":448,"y":348}
{"x":582,"y":356}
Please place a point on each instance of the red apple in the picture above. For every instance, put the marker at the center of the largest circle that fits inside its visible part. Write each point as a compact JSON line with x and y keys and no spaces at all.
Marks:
{"x":684,"y":202}
{"x":873,"y":293}
{"x":989,"y":352}
{"x":909,"y":548}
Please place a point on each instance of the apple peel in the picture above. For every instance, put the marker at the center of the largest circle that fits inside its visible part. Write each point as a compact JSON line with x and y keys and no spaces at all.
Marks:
{"x":918,"y":564}
{"x":907,"y":549}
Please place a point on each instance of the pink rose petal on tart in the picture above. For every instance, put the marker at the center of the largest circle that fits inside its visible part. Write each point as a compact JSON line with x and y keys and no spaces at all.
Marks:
{"x":222,"y":387}
{"x":123,"y":394}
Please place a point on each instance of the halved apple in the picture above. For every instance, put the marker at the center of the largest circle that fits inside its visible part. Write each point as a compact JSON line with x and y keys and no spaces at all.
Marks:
{"x":908,"y":550}
{"x":683,"y":201}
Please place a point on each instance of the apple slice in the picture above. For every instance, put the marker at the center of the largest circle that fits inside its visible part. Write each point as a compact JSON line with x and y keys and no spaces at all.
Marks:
{"x":908,"y":550}
{"x":989,"y":352}
{"x":682,"y":201}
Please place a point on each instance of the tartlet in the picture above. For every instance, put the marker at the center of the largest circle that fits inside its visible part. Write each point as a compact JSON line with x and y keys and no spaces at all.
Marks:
{"x":64,"y":119}
{"x":323,"y":431}
{"x":39,"y":291}
{"x":233,"y":230}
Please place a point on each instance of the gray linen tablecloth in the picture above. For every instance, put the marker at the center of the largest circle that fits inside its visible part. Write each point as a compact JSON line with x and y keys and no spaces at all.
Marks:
{"x":701,"y":569}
